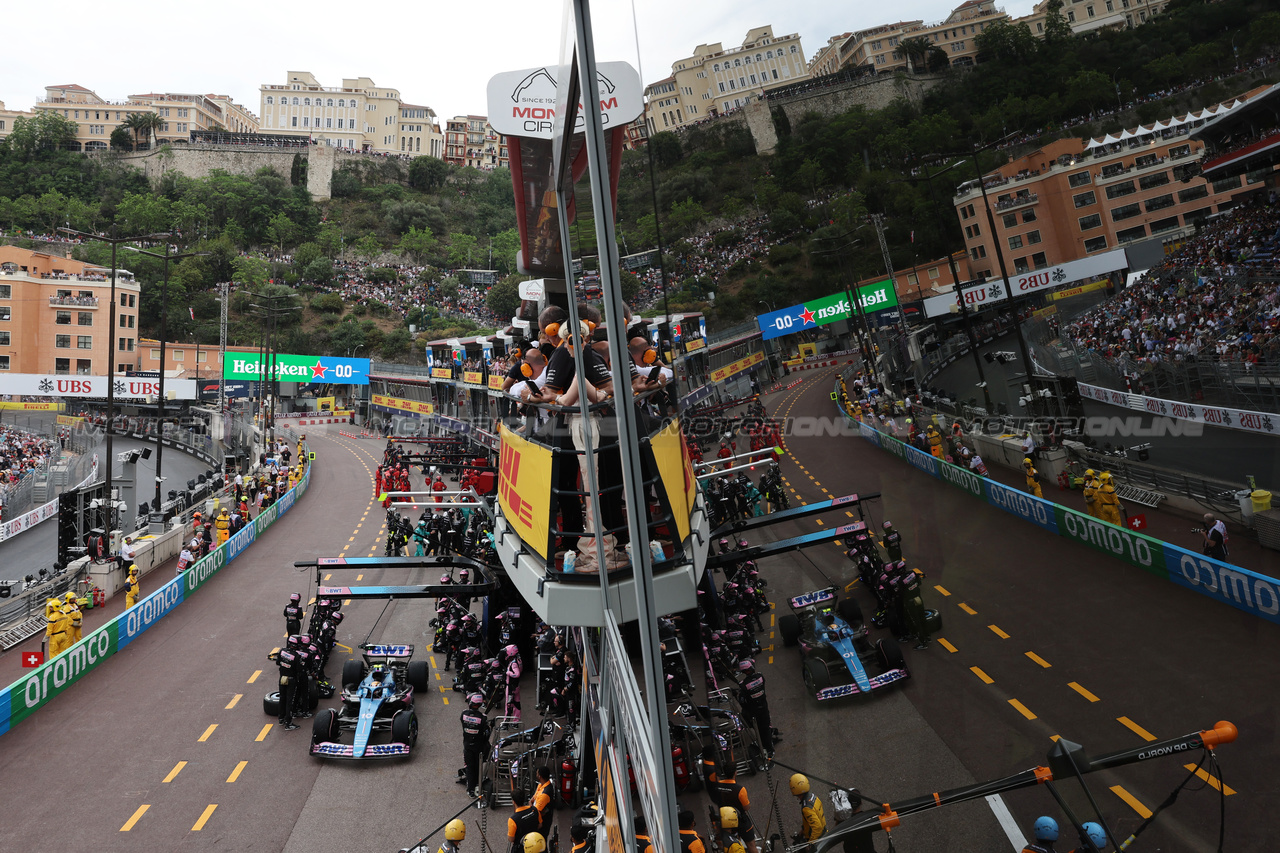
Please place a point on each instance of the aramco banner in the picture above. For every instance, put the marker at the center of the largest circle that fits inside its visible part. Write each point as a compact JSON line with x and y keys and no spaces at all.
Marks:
{"x":304,"y":369}
{"x":829,"y":309}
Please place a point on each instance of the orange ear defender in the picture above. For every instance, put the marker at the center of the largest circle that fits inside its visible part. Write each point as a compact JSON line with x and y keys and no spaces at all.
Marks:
{"x":526,"y":371}
{"x":650,"y":356}
{"x":553,"y":330}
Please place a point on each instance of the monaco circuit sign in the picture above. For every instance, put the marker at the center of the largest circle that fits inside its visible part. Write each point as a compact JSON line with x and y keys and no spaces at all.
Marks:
{"x":523,"y":103}
{"x":79,"y":385}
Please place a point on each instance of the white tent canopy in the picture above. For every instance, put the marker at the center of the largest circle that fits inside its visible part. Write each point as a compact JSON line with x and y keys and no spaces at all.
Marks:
{"x":1207,"y":113}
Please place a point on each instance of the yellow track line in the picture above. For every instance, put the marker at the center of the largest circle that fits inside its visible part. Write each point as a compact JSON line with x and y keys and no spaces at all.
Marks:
{"x":262,"y":735}
{"x":174,"y":772}
{"x":1132,"y":801}
{"x":996,"y":630}
{"x":1085,"y":693}
{"x":1208,"y":777}
{"x":234,"y":700}
{"x":1035,"y":657}
{"x":128,"y":825}
{"x":986,"y":679}
{"x":204,"y":737}
{"x":204,"y":818}
{"x":1135,"y":728}
{"x":1022,"y":709}
{"x":967,"y":609}
{"x":947,"y":646}
{"x":254,"y":677}
{"x":941,"y":591}
{"x":235,"y":774}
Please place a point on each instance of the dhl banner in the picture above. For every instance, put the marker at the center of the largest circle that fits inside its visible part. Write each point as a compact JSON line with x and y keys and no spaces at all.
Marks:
{"x":1046,"y":311}
{"x":808,"y":350}
{"x":324,"y":404}
{"x":70,"y":420}
{"x":441,"y":373}
{"x":415,"y":406}
{"x":720,"y":374}
{"x":524,"y":489}
{"x":35,"y":407}
{"x":676,"y":470}
{"x":473,"y":377}
{"x":495,"y":382}
{"x":694,"y":344}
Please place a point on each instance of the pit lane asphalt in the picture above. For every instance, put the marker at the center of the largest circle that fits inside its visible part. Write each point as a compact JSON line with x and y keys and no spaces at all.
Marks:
{"x":1118,"y":643}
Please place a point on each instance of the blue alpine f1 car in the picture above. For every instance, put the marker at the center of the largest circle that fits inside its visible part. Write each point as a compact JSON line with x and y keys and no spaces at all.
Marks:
{"x":837,"y":656}
{"x":377,"y":703}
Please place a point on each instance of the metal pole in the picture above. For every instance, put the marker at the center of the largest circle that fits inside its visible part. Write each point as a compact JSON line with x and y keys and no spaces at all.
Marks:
{"x":164,"y":334}
{"x":663,"y":828}
{"x":111,"y":393}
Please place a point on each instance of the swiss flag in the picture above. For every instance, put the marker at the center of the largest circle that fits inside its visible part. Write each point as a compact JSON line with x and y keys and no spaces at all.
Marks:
{"x":1137,"y":522}
{"x":30,"y":660}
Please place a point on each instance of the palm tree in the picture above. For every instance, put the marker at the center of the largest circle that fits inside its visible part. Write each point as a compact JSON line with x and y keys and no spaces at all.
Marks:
{"x":142,"y":125}
{"x":916,"y":49}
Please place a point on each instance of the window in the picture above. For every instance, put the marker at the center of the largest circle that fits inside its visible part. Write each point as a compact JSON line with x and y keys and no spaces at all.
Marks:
{"x":6,"y":290}
{"x":270,"y":99}
{"x":1095,"y":244}
{"x":1159,"y":202}
{"x":1162,"y":225}
{"x":1117,"y":190}
{"x":1196,"y":216}
{"x":63,"y":318}
{"x":1128,"y":211}
{"x":4,"y":362}
{"x":1033,"y":237}
{"x":126,"y":345}
{"x":1194,"y":193}
{"x":1020,"y":265}
{"x":342,"y":102}
{"x":306,"y":121}
{"x":1079,"y":179}
{"x":1038,"y":261}
{"x":1084,"y":199}
{"x":294,"y":122}
{"x":84,"y":341}
{"x":84,"y":366}
{"x":329,"y":102}
{"x":1029,"y":215}
{"x":84,"y":318}
{"x":1180,"y":151}
{"x":306,"y":102}
{"x":978,"y":252}
{"x":1093,"y":220}
{"x":1130,"y":234}
{"x":1015,"y":242}
{"x":1159,"y":179}
{"x":793,"y":49}
{"x":295,"y":102}
{"x":4,"y":312}
{"x":62,"y":341}
{"x":155,"y":355}
{"x":179,"y":355}
{"x":4,"y":339}
{"x":62,"y":366}
{"x":126,"y":321}
{"x":339,"y":124}
{"x":202,"y":355}
{"x":1226,"y":184}
{"x":1010,"y":220}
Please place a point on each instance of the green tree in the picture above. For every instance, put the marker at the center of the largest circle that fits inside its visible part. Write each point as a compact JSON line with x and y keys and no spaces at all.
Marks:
{"x":282,"y":231}
{"x":45,"y":131}
{"x":327,"y":303}
{"x":121,"y":139}
{"x":1087,"y":89}
{"x":686,"y":216}
{"x":916,"y":49}
{"x":144,"y":213}
{"x":428,"y":173}
{"x":461,"y":250}
{"x":1056,"y":28}
{"x":329,"y":238}
{"x":666,"y":149}
{"x":505,"y":245}
{"x":305,"y":254}
{"x":319,"y":271}
{"x":418,"y":243}
{"x":251,"y":272}
{"x":395,"y":344}
{"x":503,"y":298}
{"x":367,"y":248}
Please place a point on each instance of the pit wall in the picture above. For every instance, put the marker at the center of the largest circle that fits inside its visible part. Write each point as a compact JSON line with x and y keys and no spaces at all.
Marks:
{"x":30,"y":693}
{"x":1241,"y":588}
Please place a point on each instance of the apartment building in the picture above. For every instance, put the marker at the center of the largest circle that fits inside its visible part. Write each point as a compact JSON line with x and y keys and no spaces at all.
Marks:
{"x":55,"y":315}
{"x":8,"y":117}
{"x":420,"y":131}
{"x":186,"y":360}
{"x":1088,"y":15}
{"x":1069,"y":199}
{"x":713,"y":81}
{"x":471,"y":141}
{"x":180,"y":113}
{"x":359,"y":115}
{"x":827,"y":59}
{"x":881,"y":47}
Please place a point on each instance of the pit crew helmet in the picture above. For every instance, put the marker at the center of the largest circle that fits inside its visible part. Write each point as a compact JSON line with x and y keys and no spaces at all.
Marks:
{"x":1046,"y":829}
{"x":534,"y":843}
{"x":455,"y":830}
{"x":888,"y":525}
{"x":294,"y":597}
{"x":746,"y":665}
{"x":728,"y":817}
{"x":511,"y":651}
{"x":475,"y":700}
{"x":799,"y":784}
{"x":1096,"y":834}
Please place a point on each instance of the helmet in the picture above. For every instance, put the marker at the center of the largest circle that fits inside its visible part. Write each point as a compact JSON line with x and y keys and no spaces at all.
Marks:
{"x":534,"y":843}
{"x":728,"y":817}
{"x":799,"y":784}
{"x":1026,"y":462}
{"x":455,"y":830}
{"x":336,"y":618}
{"x":52,"y":606}
{"x":304,"y":639}
{"x":1105,"y":477}
{"x":746,"y":665}
{"x":888,"y":525}
{"x":1096,"y":834}
{"x":133,"y":571}
{"x":379,"y":672}
{"x":1046,"y":829}
{"x":446,"y":579}
{"x":742,"y":543}
{"x":724,"y":544}
{"x":324,"y":603}
{"x":69,"y":597}
{"x":294,"y":640}
{"x":511,"y":651}
{"x":469,"y":620}
{"x":464,"y":576}
{"x":475,"y":700}
{"x":1088,"y":472}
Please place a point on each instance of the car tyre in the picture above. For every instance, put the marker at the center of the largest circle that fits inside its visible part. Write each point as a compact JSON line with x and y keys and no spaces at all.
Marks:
{"x":850,"y":611}
{"x":313,"y":694}
{"x":891,"y":656}
{"x":419,"y":674}
{"x":352,"y":673}
{"x":271,"y":704}
{"x":789,"y":625}
{"x":933,"y":621}
{"x":404,"y":727}
{"x":324,"y":726}
{"x":816,"y":676}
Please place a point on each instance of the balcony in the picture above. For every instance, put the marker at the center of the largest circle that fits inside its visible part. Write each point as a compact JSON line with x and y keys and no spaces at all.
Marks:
{"x":73,"y":302}
{"x":1016,"y":201}
{"x":1111,"y":173}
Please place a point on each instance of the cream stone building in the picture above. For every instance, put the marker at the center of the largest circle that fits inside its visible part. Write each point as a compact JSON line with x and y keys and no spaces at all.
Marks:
{"x":8,"y":117}
{"x":881,"y":47}
{"x":180,"y":113}
{"x":359,"y":115}
{"x":55,"y":315}
{"x":714,"y":81}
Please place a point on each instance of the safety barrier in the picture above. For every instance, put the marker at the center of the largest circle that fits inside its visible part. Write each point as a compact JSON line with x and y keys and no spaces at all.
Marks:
{"x":43,"y":512}
{"x":1241,"y":588}
{"x":28,"y":694}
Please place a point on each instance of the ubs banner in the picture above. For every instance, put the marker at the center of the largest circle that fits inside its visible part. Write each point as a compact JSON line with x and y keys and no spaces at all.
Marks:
{"x":1241,"y":588}
{"x":28,"y":694}
{"x":77,"y":385}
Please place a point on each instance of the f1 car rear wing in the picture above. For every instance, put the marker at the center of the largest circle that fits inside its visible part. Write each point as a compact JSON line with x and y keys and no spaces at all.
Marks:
{"x":853,"y":501}
{"x":782,"y":546}
{"x":487,"y":583}
{"x":1065,"y":760}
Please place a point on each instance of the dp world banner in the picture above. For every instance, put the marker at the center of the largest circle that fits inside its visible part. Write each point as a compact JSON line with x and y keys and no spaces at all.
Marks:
{"x":298,"y":368}
{"x":30,"y":693}
{"x":829,"y":309}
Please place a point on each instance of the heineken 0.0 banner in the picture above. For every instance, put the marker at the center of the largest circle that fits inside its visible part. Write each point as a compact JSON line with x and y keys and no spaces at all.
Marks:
{"x":829,"y":309}
{"x":298,"y":368}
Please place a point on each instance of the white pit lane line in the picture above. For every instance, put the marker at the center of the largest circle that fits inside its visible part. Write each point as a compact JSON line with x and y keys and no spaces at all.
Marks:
{"x":1006,"y":821}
